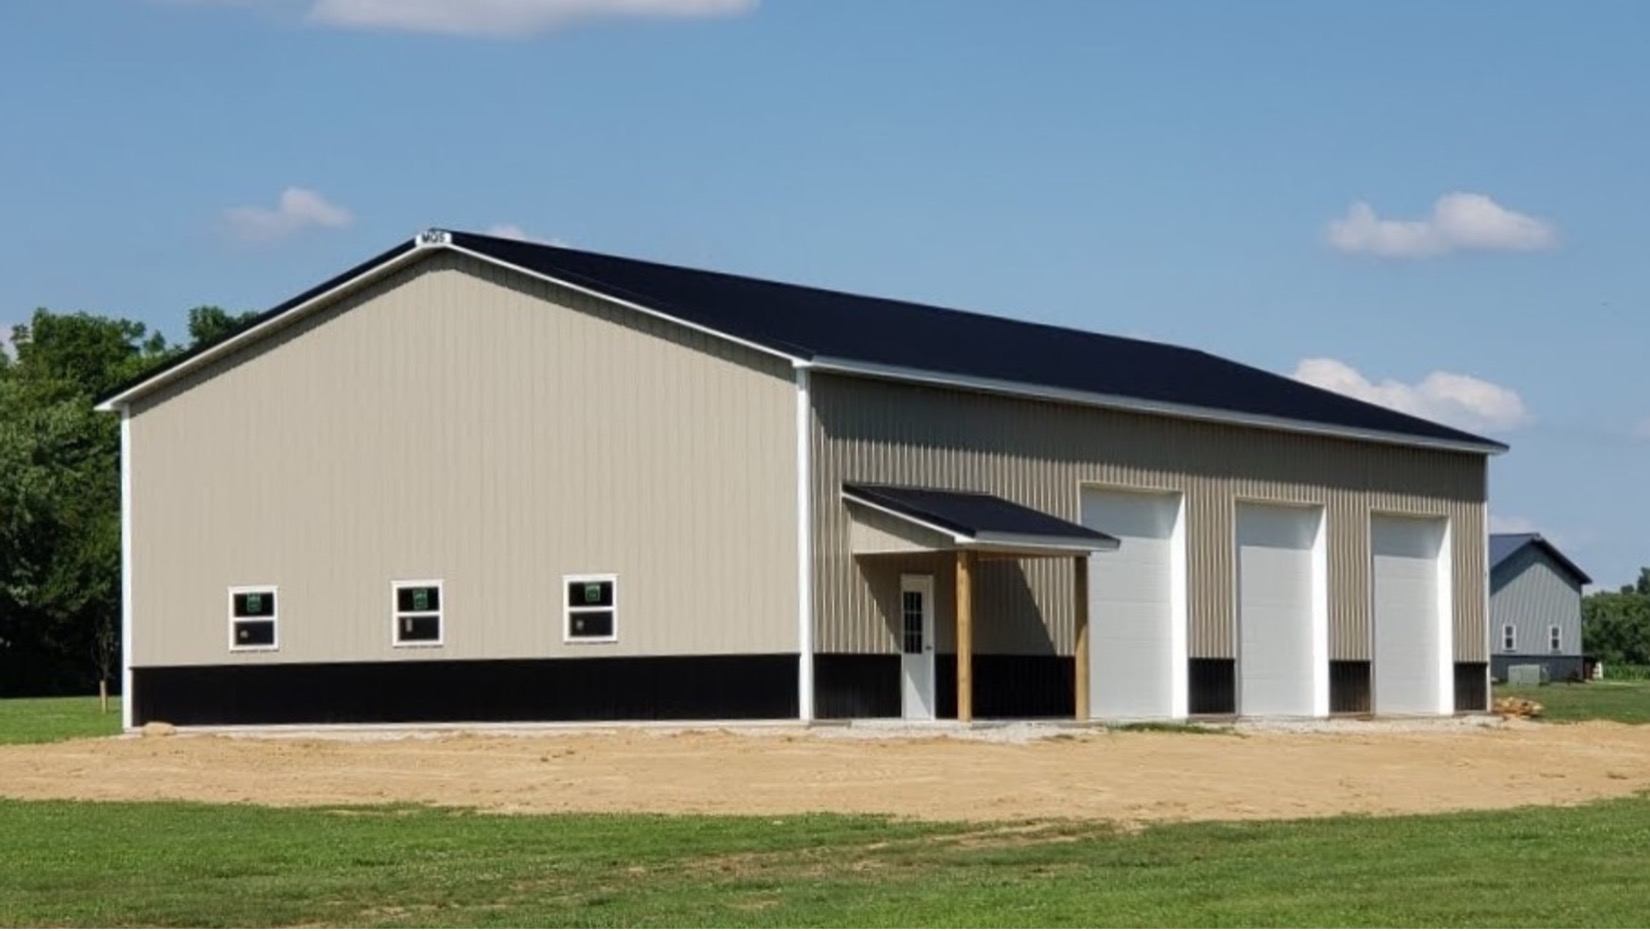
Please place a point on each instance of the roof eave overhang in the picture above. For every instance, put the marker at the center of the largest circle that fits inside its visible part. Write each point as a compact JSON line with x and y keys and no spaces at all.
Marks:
{"x":433,"y":240}
{"x":1006,"y":543}
{"x":1139,"y":405}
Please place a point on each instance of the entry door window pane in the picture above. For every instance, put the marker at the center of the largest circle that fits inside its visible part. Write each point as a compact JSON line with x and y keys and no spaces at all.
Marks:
{"x":911,"y":610}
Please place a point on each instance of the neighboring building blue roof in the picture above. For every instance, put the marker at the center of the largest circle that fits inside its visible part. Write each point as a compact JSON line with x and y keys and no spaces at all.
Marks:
{"x":979,"y":516}
{"x":1504,"y":545}
{"x":813,"y":324}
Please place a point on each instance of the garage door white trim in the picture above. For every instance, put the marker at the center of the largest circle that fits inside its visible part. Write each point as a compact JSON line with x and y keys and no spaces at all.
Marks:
{"x":1138,"y":604}
{"x":1281,"y":590}
{"x":1398,"y":538}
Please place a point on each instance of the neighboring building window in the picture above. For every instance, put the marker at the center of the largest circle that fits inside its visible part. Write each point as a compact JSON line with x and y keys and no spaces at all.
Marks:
{"x":252,"y":618}
{"x":1555,"y":639}
{"x":592,"y":614}
{"x":1509,"y":638}
{"x":418,"y":613}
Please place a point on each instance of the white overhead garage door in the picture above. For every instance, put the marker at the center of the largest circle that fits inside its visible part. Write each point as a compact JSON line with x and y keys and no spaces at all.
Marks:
{"x":1137,"y":606}
{"x":1410,"y":582}
{"x":1283,"y":611}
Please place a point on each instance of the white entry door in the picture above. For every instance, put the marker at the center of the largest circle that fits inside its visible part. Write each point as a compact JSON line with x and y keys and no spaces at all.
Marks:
{"x":916,"y":618}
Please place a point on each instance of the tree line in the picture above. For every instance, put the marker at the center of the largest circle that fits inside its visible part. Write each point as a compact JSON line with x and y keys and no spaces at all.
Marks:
{"x":60,"y":492}
{"x":1615,"y":626}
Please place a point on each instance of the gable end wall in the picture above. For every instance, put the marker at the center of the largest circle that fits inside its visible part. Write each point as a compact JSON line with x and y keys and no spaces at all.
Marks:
{"x":464,"y":422}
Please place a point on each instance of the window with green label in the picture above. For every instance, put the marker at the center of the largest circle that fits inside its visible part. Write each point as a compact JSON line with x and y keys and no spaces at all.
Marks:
{"x":418,"y":614}
{"x":252,"y":618}
{"x":592,"y":603}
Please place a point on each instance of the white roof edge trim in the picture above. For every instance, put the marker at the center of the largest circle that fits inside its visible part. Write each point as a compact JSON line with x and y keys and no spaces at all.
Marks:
{"x":603,"y":295}
{"x":1138,"y":405}
{"x":998,"y":541}
{"x":121,"y":400}
{"x":1042,"y":542}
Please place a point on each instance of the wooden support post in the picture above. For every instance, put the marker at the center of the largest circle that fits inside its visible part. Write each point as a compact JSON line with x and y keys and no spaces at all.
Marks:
{"x":1081,"y":589}
{"x":965,"y":637}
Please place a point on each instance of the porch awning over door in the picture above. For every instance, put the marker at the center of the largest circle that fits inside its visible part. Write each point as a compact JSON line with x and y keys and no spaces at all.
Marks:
{"x":903,"y":518}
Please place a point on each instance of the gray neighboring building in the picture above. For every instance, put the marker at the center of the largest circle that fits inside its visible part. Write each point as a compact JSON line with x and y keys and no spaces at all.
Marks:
{"x":478,"y":479}
{"x":1535,"y":607}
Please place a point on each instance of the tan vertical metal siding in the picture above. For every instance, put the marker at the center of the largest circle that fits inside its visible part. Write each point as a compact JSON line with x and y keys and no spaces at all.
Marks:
{"x":1041,"y":454}
{"x":462,"y":422}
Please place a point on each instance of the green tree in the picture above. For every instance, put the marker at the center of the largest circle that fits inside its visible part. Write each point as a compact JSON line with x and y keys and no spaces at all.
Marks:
{"x":60,"y":497}
{"x":208,"y":323}
{"x":1615,"y":626}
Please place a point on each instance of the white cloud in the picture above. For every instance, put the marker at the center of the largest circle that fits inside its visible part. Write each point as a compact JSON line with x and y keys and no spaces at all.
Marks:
{"x":5,"y":341}
{"x":507,"y":18}
{"x":512,"y":231}
{"x":1459,"y":400}
{"x":299,"y":209}
{"x":1460,"y":222}
{"x":1510,"y":524}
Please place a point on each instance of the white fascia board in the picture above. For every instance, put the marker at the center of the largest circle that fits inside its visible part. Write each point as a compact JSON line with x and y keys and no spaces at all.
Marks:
{"x":1032,"y":541}
{"x":258,"y":332}
{"x":1137,"y":405}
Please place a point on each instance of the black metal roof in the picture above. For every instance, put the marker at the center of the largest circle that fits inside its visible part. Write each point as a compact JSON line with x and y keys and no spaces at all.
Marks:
{"x":816,"y":324}
{"x":978,"y":516}
{"x":812,"y":323}
{"x":1504,"y":545}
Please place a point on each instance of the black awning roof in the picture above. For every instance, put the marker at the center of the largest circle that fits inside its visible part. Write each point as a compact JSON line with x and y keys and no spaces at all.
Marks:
{"x":976,"y":518}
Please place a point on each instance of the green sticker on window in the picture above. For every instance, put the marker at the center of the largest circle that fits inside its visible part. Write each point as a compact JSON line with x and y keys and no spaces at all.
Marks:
{"x":592,"y":593}
{"x":254,"y":603}
{"x":421,"y":599}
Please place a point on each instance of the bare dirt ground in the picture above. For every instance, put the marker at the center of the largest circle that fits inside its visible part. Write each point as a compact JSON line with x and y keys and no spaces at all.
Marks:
{"x":1030,"y":773}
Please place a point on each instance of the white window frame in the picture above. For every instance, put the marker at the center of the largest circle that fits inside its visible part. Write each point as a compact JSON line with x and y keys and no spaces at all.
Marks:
{"x":273,"y":591}
{"x":1555,"y":639}
{"x":440,"y":614}
{"x":1509,"y":638}
{"x":567,"y":608}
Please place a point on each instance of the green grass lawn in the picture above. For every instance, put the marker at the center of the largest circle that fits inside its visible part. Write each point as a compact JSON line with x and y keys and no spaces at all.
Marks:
{"x":93,"y":864}
{"x":41,"y":720}
{"x":1625,"y":701}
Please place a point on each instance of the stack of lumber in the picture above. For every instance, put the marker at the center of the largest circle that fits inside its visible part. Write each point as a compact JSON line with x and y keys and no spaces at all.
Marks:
{"x":1516,"y":708}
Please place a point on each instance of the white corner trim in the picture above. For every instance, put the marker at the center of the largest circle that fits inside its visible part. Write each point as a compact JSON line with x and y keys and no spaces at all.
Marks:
{"x":804,"y":547}
{"x":126,"y":704}
{"x":1137,"y":405}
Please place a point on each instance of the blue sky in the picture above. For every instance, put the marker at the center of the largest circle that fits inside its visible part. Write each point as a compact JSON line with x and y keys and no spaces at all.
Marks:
{"x":1191,"y":172}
